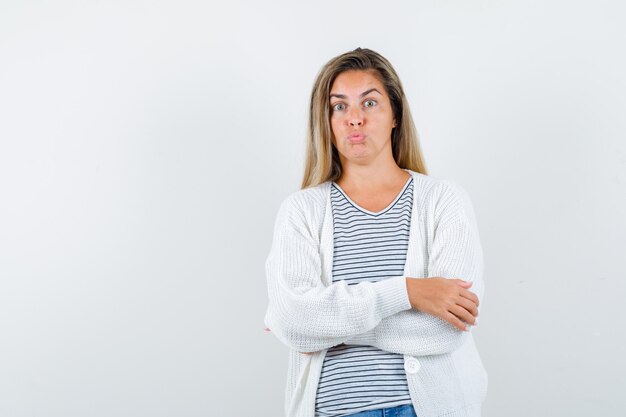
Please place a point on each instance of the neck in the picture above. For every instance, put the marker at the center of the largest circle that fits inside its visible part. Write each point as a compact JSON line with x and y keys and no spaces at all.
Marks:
{"x":371,"y":176}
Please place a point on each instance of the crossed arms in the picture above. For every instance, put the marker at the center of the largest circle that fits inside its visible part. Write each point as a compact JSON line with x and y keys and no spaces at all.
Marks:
{"x":413,"y":316}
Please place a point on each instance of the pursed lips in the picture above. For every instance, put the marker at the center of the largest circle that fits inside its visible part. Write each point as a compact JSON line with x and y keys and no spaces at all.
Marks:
{"x":356,"y":137}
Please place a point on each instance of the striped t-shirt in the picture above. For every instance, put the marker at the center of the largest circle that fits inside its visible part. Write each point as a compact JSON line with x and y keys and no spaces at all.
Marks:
{"x":368,"y":246}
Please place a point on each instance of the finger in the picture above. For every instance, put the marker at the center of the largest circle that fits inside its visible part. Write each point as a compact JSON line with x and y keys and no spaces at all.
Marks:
{"x":469,"y":305}
{"x":454,"y":320}
{"x":462,"y":314}
{"x":469,"y":295}
{"x":464,"y":284}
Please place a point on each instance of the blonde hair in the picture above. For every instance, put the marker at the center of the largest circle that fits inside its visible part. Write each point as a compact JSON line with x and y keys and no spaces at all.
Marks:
{"x":322,"y":159}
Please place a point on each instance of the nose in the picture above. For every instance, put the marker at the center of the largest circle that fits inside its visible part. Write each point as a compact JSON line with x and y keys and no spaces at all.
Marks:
{"x":355,"y":118}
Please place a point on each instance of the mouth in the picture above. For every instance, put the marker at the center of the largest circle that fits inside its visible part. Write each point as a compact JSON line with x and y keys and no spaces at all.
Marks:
{"x":356,"y":137}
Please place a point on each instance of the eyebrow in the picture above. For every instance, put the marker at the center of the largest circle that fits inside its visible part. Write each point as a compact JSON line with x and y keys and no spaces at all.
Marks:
{"x":362,"y":94}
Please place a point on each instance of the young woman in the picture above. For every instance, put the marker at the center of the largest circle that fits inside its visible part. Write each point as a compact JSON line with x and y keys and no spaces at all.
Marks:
{"x":372,"y":261}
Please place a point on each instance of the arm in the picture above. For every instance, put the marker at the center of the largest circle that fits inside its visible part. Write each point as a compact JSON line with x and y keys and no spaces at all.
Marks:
{"x":305,"y":314}
{"x":456,"y":252}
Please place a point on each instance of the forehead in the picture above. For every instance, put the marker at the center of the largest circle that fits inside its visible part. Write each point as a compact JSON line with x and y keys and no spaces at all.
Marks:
{"x":356,"y":81}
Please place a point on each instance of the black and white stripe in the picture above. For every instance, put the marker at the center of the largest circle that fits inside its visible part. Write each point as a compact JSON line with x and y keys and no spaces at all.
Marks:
{"x":368,"y":246}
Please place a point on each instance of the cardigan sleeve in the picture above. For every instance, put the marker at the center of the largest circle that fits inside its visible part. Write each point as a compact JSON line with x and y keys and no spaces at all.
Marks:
{"x":456,"y":252}
{"x":307,"y":315}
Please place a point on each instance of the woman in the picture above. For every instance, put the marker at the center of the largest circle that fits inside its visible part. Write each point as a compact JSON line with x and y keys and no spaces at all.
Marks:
{"x":372,"y":260}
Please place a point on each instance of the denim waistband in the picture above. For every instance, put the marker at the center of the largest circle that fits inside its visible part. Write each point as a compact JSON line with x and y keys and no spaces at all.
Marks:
{"x":406,"y":410}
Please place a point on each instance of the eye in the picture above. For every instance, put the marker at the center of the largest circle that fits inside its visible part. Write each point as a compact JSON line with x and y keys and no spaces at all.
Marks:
{"x":339,"y":106}
{"x":369,"y":103}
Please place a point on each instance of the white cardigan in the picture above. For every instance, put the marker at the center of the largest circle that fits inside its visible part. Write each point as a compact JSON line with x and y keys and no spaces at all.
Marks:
{"x":309,"y":313}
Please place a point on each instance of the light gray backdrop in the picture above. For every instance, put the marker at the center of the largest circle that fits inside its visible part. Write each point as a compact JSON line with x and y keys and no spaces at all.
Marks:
{"x":145,"y":148}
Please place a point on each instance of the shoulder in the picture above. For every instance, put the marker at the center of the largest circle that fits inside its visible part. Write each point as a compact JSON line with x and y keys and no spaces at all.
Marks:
{"x":308,"y":198}
{"x":430,"y":187}
{"x":306,"y":204}
{"x":447,"y":198}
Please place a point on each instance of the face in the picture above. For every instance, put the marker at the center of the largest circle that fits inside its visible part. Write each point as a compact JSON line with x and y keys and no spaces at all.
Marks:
{"x":361,"y":117}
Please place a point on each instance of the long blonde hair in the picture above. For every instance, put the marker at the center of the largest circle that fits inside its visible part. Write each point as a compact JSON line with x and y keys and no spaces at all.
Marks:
{"x":322,"y":161}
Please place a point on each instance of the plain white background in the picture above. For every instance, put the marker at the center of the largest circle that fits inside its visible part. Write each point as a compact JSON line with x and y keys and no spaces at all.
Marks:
{"x":145,"y":148}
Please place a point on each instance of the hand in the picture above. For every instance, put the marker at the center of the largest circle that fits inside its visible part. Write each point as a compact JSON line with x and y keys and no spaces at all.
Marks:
{"x":445,"y":298}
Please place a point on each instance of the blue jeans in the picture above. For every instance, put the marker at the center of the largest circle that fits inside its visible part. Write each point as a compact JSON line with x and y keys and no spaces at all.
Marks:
{"x":399,"y":411}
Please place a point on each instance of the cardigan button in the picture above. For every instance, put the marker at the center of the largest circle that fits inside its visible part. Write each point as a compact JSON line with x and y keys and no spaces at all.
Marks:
{"x":412,"y":365}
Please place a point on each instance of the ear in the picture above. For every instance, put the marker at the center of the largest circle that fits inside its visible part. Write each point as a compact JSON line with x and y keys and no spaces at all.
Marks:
{"x":394,"y":123}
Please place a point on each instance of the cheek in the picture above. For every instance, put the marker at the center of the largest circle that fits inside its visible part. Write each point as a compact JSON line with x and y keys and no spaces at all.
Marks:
{"x":335,"y":124}
{"x":333,"y":129}
{"x":383,"y":120}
